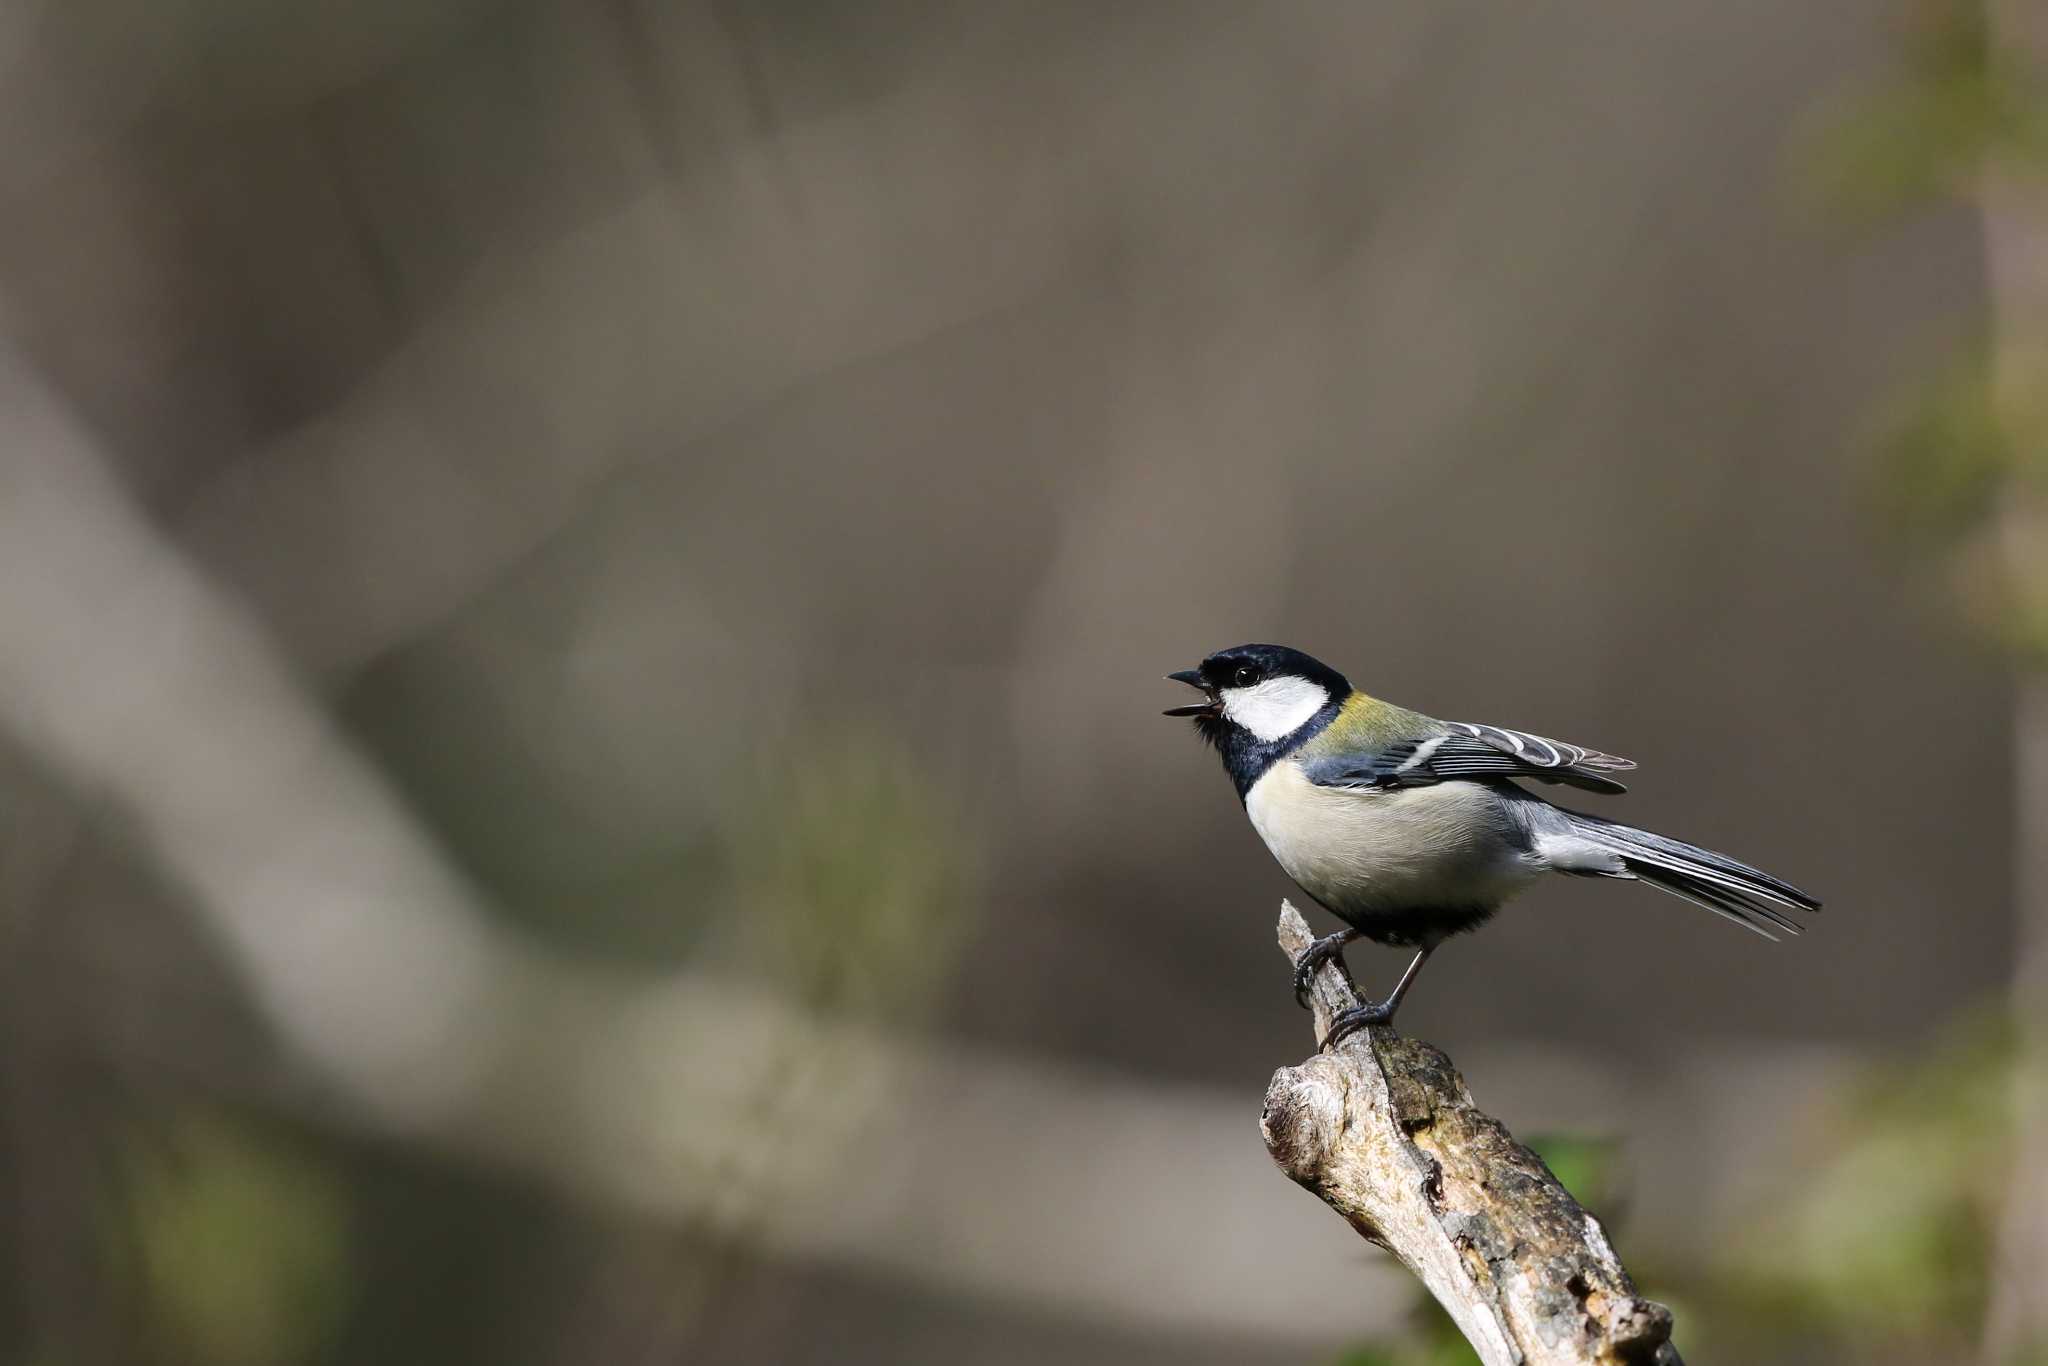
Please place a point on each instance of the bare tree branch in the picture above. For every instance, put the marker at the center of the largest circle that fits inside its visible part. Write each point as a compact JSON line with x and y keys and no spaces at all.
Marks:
{"x":1382,"y":1130}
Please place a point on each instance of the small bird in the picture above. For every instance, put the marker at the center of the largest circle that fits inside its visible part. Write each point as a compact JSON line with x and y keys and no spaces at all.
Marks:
{"x":1411,"y":829}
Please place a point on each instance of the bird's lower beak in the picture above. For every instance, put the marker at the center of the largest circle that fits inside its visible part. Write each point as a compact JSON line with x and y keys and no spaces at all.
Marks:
{"x":1193,"y":678}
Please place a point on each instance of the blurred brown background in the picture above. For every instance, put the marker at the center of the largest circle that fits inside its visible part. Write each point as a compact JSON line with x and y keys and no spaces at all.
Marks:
{"x":583,"y":589}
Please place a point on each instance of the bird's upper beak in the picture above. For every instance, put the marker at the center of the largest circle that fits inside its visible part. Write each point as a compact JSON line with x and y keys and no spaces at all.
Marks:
{"x":1193,"y":678}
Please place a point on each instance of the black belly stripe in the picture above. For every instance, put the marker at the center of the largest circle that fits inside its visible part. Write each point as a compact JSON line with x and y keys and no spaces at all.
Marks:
{"x":1416,"y":926}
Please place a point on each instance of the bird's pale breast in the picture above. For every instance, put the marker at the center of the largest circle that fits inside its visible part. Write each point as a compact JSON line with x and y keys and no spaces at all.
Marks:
{"x":1383,"y":851}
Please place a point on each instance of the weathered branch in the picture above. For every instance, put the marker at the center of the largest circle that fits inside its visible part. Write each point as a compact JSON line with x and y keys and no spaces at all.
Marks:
{"x":1383,"y":1130}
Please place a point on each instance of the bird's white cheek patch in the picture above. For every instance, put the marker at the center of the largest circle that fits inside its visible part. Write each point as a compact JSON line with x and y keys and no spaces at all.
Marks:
{"x":1275,"y":707}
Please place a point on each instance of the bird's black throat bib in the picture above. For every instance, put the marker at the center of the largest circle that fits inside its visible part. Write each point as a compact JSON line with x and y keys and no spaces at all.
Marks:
{"x":1246,"y":757}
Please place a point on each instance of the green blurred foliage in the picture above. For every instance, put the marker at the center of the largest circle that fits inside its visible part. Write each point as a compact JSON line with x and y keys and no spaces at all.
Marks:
{"x":1962,"y":468}
{"x":1960,"y":483}
{"x":1588,"y":1165}
{"x":1959,"y":105}
{"x":1945,"y":459}
{"x":1434,"y":1341}
{"x":1883,"y":1252}
{"x":847,"y":874}
{"x":854,"y":873}
{"x":240,"y":1242}
{"x":1887,"y":1244}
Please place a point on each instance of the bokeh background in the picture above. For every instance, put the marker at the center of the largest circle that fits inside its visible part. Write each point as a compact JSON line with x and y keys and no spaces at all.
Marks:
{"x":583,"y":588}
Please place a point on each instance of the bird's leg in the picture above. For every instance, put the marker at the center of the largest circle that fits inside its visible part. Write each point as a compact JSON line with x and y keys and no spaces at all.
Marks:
{"x":1351,"y":1021}
{"x":1319,"y":952}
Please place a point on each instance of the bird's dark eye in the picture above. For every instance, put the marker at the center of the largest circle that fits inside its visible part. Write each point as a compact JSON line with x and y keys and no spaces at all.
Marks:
{"x":1245,"y":676}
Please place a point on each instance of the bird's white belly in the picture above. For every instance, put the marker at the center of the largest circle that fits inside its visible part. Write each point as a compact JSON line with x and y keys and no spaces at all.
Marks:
{"x":1360,"y":853}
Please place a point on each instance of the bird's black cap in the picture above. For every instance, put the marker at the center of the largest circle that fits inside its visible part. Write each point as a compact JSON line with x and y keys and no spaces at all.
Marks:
{"x":1244,"y":666}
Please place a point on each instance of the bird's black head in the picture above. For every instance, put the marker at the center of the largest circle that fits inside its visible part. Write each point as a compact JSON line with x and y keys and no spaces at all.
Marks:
{"x":1262,"y":700}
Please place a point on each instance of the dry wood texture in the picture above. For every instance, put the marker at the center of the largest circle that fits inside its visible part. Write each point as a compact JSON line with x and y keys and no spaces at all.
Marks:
{"x":1382,"y":1129}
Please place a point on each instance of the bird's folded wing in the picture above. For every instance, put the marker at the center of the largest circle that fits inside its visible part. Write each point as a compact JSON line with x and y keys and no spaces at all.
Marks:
{"x":1468,"y":751}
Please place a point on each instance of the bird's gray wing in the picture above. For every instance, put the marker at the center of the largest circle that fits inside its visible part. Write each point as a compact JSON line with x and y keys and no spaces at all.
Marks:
{"x":1467,"y":751}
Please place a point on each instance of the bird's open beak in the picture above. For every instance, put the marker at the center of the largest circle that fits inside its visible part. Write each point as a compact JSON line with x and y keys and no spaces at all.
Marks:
{"x":1193,"y":678}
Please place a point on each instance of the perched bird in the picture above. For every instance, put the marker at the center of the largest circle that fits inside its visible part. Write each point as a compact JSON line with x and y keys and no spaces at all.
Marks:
{"x":1411,"y":829}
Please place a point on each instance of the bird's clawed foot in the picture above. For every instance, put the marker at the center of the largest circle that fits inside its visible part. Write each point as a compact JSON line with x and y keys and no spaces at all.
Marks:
{"x":1319,"y":952}
{"x":1349,"y":1022}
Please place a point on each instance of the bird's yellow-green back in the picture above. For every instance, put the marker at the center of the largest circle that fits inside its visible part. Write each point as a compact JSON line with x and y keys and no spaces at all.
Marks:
{"x":1366,"y":725}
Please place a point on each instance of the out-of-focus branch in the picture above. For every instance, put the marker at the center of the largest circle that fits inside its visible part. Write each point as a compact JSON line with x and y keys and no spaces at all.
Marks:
{"x":401,"y":1004}
{"x":1383,"y":1131}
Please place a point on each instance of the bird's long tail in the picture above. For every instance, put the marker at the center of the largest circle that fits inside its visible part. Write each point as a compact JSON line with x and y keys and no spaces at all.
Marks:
{"x":1748,"y":896}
